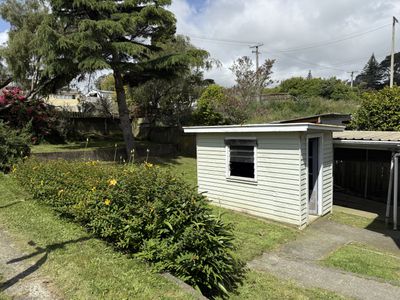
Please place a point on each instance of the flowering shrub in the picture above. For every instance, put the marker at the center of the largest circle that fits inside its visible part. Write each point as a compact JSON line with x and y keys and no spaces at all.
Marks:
{"x":13,"y":146}
{"x":17,"y":112}
{"x":143,"y":210}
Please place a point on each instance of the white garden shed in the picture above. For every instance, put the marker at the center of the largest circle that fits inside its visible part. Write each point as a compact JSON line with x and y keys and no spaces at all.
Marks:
{"x":281,"y":172}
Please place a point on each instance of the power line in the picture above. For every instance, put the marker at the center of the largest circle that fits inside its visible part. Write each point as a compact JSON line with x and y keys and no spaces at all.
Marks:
{"x":330,"y":42}
{"x":295,"y":48}
{"x":225,"y":41}
{"x":306,"y":62}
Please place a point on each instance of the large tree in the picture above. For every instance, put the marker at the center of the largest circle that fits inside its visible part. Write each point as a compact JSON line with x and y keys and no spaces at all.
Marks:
{"x":384,"y":67}
{"x":371,"y":76}
{"x":123,"y":36}
{"x":21,"y":51}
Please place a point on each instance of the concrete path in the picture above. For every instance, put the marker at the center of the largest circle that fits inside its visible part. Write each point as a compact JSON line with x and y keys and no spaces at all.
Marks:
{"x":20,"y":279}
{"x":298,"y":260}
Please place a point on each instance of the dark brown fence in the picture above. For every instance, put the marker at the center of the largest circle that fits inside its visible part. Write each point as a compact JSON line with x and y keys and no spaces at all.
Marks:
{"x":363,"y":173}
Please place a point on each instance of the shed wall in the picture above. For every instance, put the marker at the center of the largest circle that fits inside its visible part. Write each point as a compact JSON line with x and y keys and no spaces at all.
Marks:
{"x":276,"y":195}
{"x":303,"y":181}
{"x":327,"y":179}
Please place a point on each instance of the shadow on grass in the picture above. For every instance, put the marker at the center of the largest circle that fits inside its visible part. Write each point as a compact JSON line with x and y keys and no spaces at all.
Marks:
{"x":39,"y":250}
{"x":377,"y":208}
{"x":10,"y":204}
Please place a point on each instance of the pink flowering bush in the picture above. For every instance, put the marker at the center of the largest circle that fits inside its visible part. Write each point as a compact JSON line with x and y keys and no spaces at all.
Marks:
{"x":17,"y":112}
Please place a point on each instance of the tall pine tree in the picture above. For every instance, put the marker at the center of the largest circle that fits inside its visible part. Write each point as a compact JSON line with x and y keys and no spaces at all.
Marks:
{"x":385,"y":69}
{"x":371,"y":76}
{"x":124,"y":36}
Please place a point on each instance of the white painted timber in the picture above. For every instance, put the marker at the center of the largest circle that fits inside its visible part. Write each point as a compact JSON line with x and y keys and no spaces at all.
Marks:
{"x":275,"y":195}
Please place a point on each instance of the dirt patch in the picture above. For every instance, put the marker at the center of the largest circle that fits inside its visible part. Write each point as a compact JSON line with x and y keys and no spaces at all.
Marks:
{"x":21,"y":278}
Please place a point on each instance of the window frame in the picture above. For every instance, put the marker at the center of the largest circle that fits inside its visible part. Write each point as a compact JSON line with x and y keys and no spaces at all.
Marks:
{"x":228,"y":161}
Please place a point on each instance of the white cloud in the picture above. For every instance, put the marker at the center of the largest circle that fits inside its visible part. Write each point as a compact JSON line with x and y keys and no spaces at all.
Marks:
{"x":283,"y":24}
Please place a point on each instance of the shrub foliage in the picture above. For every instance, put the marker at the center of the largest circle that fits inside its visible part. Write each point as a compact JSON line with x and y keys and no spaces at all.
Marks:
{"x":14,"y":145}
{"x":17,"y":111}
{"x":331,"y":88}
{"x":143,"y":210}
{"x":379,"y":111}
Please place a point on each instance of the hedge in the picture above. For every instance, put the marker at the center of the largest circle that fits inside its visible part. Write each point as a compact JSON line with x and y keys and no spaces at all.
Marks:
{"x":143,"y":210}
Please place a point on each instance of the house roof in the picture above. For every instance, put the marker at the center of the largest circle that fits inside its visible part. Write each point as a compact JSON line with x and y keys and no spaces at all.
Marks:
{"x":320,"y":119}
{"x":292,"y":127}
{"x":367,"y":139}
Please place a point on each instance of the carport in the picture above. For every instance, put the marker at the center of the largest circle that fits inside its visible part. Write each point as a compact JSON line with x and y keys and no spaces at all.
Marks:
{"x":366,"y":165}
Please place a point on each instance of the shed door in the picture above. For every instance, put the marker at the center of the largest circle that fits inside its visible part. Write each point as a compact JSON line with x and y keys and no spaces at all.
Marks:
{"x":313,"y":174}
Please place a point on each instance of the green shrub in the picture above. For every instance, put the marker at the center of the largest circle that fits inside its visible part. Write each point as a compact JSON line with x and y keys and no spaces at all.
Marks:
{"x":143,"y":210}
{"x":379,"y":111}
{"x":14,"y":145}
{"x":331,"y":88}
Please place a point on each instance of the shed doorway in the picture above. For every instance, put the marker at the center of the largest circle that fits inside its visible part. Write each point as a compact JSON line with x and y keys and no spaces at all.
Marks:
{"x":313,"y":175}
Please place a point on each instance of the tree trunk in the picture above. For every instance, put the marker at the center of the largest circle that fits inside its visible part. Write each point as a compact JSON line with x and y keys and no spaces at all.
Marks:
{"x":125,"y":124}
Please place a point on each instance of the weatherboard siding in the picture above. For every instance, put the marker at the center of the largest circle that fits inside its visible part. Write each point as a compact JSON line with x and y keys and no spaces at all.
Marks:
{"x":275,"y":195}
{"x":327,"y":179}
{"x":303,"y":181}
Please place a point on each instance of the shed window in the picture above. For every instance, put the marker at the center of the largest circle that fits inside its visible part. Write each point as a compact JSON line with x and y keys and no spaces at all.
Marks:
{"x":241,"y":157}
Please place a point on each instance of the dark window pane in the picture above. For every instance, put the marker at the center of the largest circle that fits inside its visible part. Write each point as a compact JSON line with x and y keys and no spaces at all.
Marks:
{"x":242,"y":169}
{"x":241,"y":160}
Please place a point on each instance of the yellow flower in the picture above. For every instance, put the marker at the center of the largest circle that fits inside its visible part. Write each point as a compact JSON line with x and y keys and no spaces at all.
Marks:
{"x":60,"y":192}
{"x":14,"y":169}
{"x":148,"y":165}
{"x":107,"y":202}
{"x":93,"y":189}
{"x":112,"y":182}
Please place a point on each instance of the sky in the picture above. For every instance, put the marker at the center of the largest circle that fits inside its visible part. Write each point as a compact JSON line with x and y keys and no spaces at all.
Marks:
{"x":330,"y":37}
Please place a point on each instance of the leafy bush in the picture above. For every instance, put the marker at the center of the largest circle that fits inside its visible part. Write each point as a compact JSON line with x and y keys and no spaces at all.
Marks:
{"x":282,"y":110}
{"x":14,"y":145}
{"x":17,"y":111}
{"x":331,"y":88}
{"x":206,"y":111}
{"x":379,"y":111}
{"x":143,"y":210}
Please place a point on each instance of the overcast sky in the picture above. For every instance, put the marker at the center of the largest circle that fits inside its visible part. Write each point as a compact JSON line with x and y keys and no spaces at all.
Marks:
{"x":330,"y":37}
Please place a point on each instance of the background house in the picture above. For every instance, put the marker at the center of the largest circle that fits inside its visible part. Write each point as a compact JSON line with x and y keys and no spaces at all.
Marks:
{"x":277,"y":171}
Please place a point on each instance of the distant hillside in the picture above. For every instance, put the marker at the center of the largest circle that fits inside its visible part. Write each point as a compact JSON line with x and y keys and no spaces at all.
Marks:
{"x":288,"y":109}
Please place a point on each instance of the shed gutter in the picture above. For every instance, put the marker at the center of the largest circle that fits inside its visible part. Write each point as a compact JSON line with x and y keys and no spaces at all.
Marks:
{"x":367,"y":143}
{"x":293,"y":127}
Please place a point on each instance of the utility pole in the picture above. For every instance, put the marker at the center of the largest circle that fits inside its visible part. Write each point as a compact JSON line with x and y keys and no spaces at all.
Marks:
{"x":352,"y":77}
{"x":257,"y":52}
{"x":392,"y":58}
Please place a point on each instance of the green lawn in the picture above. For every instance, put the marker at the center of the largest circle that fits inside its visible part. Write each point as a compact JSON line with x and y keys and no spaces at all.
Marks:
{"x":364,"y":260}
{"x":86,"y":268}
{"x":253,"y":237}
{"x":260,"y":286}
{"x":82,"y":267}
{"x":76,"y":146}
{"x":356,"y":221}
{"x":185,"y":166}
{"x":2,"y":295}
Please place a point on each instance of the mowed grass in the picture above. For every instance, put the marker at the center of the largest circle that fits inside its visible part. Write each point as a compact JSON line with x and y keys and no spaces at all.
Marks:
{"x":356,"y":221}
{"x":364,"y":260}
{"x":2,"y":295}
{"x":253,"y":237}
{"x":86,"y":268}
{"x":261,"y":286}
{"x":82,"y":267}
{"x":76,"y":146}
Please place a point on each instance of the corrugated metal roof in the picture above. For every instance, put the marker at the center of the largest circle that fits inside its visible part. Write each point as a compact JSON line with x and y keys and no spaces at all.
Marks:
{"x":385,"y":136}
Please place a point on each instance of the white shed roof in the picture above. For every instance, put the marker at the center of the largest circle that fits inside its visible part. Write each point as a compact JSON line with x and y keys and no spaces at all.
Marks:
{"x":292,"y":127}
